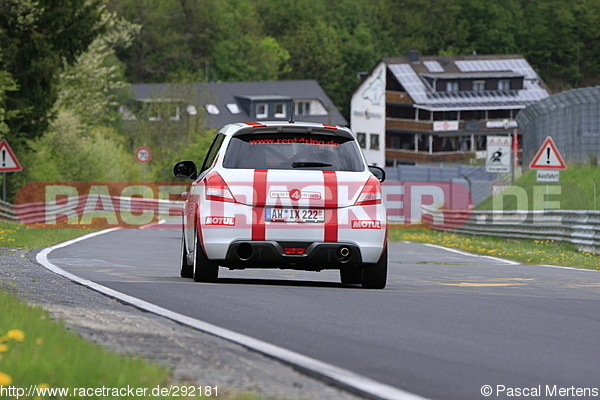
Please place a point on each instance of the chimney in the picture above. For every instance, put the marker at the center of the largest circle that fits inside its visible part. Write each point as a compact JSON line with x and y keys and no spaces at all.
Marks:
{"x":413,"y":56}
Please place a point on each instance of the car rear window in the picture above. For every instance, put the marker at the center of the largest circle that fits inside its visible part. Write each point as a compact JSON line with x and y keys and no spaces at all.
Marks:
{"x":293,"y":151}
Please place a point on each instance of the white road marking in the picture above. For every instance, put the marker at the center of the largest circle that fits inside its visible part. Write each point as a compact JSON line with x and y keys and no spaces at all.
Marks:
{"x":347,"y":379}
{"x":464,"y":253}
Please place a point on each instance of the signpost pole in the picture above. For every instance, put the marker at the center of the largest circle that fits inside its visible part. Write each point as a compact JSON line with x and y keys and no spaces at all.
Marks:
{"x":143,"y":155}
{"x":512,"y":167}
{"x":8,"y":163}
{"x":595,"y":195}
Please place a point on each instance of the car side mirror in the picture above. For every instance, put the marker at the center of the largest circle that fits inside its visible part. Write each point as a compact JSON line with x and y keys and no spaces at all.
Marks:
{"x":185,"y":169}
{"x":378,"y":172}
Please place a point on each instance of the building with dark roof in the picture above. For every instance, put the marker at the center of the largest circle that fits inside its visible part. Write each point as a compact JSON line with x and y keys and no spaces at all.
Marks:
{"x":440,"y":108}
{"x":227,"y":102}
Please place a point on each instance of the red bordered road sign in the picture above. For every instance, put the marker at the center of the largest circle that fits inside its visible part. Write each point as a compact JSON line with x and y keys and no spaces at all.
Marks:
{"x":8,"y":160}
{"x":143,"y":155}
{"x":548,"y":157}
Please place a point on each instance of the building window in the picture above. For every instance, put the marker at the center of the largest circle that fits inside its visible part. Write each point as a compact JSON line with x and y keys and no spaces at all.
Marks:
{"x":361,"y":138}
{"x":374,"y":141}
{"x":191,"y":110}
{"x":176,"y":116}
{"x":233,"y":108}
{"x":212,"y":109}
{"x":451,"y":86}
{"x":164,"y":110}
{"x":262,"y":110}
{"x":280,"y":110}
{"x":504,"y":84}
{"x":478,"y":85}
{"x":303,"y":108}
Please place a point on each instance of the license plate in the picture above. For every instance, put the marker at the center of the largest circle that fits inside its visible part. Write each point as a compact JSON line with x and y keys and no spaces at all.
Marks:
{"x":294,"y":215}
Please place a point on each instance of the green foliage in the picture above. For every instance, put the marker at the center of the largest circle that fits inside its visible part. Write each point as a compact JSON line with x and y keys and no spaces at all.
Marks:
{"x":72,"y":151}
{"x":36,"y":39}
{"x":6,"y":84}
{"x":175,"y":39}
{"x":70,"y":58}
{"x":90,"y":86}
{"x":332,"y":40}
{"x":250,"y":59}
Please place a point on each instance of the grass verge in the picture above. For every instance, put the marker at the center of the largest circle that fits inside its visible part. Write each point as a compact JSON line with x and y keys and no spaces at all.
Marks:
{"x":524,"y":251}
{"x":578,"y":189}
{"x":37,"y":352}
{"x":13,"y":234}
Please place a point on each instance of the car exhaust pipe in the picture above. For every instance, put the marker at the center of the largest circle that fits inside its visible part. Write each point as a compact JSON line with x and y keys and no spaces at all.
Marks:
{"x":343,"y":253}
{"x":244,"y":251}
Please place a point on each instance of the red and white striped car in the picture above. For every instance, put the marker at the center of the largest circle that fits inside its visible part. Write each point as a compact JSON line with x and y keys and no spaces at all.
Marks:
{"x":287,"y":195}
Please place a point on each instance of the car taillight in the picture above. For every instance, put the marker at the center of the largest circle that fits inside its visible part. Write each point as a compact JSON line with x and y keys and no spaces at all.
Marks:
{"x":216,"y":189}
{"x":295,"y":251}
{"x":371,"y":193}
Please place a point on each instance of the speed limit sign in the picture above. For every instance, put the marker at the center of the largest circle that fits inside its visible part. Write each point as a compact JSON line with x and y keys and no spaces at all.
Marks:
{"x":143,"y":155}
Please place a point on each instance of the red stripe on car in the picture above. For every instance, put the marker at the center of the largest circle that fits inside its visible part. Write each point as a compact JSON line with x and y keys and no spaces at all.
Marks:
{"x":331,"y":206}
{"x":260,"y":200}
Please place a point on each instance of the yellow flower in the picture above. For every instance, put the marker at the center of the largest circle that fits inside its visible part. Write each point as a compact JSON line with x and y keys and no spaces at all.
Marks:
{"x":5,"y":380}
{"x":3,"y":348}
{"x":43,"y":386}
{"x":16,"y":334}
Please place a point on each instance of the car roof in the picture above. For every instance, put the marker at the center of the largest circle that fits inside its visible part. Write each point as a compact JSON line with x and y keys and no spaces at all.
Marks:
{"x":242,"y":128}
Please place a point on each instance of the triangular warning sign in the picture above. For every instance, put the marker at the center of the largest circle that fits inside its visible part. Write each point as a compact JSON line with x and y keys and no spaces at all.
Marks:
{"x":548,"y":157}
{"x":8,"y":160}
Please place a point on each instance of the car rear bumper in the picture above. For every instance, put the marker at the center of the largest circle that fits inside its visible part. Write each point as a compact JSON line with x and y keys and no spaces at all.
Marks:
{"x":273,"y":254}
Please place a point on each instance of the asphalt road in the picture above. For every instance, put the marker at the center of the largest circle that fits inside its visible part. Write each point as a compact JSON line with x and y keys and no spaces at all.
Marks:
{"x":446,"y":325}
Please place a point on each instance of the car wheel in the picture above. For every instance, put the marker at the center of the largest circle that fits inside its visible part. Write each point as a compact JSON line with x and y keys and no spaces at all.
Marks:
{"x":187,"y":270}
{"x":351,"y":276}
{"x":375,"y":275}
{"x":204,"y":270}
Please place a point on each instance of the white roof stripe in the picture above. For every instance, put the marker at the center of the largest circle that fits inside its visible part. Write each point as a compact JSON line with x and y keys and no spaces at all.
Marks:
{"x":433,"y":66}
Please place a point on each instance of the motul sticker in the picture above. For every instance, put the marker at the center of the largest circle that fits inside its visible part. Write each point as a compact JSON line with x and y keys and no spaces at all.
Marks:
{"x":226,"y":221}
{"x":370,"y":224}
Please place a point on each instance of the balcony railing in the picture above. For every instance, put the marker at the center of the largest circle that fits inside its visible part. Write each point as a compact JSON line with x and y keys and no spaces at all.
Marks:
{"x":470,"y":126}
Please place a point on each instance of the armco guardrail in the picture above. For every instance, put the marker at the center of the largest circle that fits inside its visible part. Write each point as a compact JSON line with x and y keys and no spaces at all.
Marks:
{"x":42,"y":213}
{"x":7,"y":212}
{"x":580,"y":228}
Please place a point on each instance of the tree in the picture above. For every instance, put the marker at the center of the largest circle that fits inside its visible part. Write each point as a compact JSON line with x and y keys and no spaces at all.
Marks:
{"x":175,"y":40}
{"x":7,"y":84}
{"x":72,"y":151}
{"x":37,"y":39}
{"x":492,"y":27}
{"x":90,"y":87}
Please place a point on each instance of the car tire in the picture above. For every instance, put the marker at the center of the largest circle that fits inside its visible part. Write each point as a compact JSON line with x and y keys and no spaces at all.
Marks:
{"x":204,"y":270}
{"x":186,"y":270}
{"x":351,"y":276}
{"x":375,"y":275}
